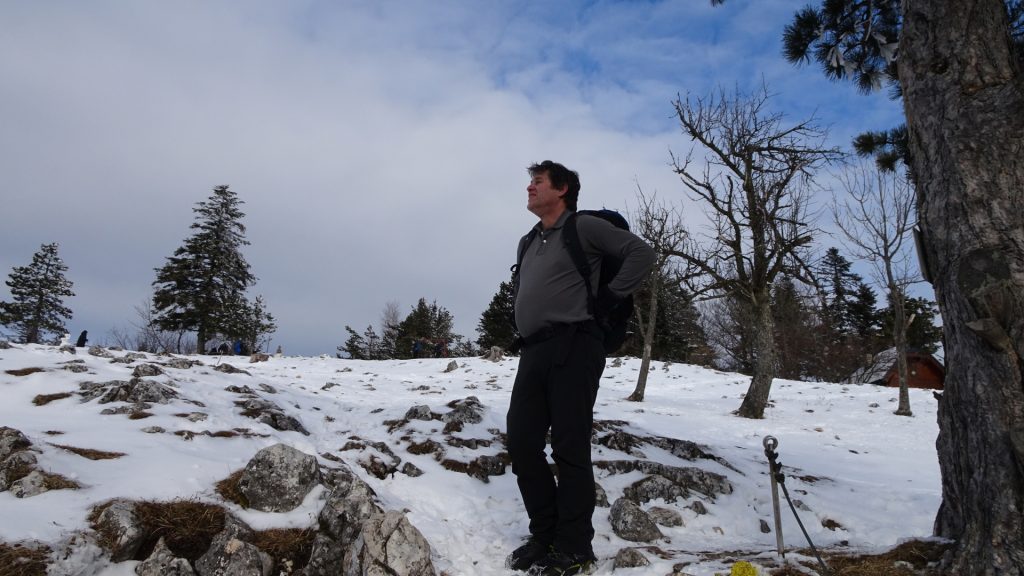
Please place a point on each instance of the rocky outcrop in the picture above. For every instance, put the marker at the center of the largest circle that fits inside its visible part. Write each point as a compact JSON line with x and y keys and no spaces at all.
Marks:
{"x":278,"y":478}
{"x":163,"y":562}
{"x":630,"y":558}
{"x":136,"y":390}
{"x":631,"y":523}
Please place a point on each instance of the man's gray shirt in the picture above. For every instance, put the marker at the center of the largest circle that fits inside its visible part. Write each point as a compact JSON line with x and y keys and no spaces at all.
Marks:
{"x":551,"y":290}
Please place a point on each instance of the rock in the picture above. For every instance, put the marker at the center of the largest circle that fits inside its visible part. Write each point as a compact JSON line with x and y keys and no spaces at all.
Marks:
{"x":349,"y":504}
{"x":653,"y":488}
{"x":229,"y":369}
{"x":602,"y":496}
{"x":325,"y":559}
{"x":14,"y":466}
{"x":31,"y":485}
{"x":272,"y":415}
{"x":698,"y":507}
{"x":11,"y":441}
{"x":163,"y":562}
{"x":233,"y":557}
{"x":410,"y":470}
{"x":119,"y":524}
{"x":467,"y":411}
{"x":278,"y":478}
{"x":390,"y":545}
{"x":421,"y":412}
{"x":258,"y":357}
{"x":496,"y":354}
{"x":5,"y":345}
{"x":153,"y":430}
{"x":197,"y":417}
{"x":267,"y":388}
{"x":631,"y":523}
{"x":179,"y":363}
{"x":630,"y":558}
{"x":76,"y":368}
{"x":765,"y":528}
{"x":688,"y":478}
{"x":99,"y":352}
{"x":452,"y":366}
{"x":137,"y":390}
{"x":665,"y":516}
{"x":143,"y":370}
{"x":617,"y":363}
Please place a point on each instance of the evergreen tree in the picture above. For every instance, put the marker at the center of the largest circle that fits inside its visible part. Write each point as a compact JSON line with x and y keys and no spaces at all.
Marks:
{"x":798,"y":350}
{"x":495,"y":326}
{"x":864,"y":319}
{"x":206,"y":278}
{"x":922,"y":334}
{"x":680,"y":336}
{"x":426,"y":322}
{"x":839,"y":287}
{"x":37,"y":293}
{"x":246,"y":321}
{"x":355,"y":346}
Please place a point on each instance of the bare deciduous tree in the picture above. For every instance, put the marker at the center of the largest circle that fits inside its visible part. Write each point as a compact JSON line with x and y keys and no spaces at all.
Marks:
{"x":754,"y":186}
{"x":877,"y":216}
{"x":662,"y":228}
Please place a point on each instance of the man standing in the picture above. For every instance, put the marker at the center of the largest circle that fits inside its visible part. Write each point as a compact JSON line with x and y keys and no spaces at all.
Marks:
{"x":560,"y":368}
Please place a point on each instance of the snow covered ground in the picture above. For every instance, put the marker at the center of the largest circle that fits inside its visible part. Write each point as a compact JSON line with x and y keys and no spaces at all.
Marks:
{"x":848,"y":458}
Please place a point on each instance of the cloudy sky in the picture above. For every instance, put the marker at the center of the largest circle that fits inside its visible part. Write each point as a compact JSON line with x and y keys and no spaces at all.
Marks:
{"x":379,"y":146}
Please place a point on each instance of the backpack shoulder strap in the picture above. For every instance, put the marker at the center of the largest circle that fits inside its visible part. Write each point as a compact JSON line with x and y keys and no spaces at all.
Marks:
{"x":571,"y":238}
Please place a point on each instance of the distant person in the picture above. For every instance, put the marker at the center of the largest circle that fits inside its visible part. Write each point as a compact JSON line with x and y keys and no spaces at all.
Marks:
{"x":82,"y":339}
{"x":560,"y":367}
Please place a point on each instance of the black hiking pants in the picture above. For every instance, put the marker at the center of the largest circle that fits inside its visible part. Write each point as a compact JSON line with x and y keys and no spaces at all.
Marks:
{"x":555,"y":389}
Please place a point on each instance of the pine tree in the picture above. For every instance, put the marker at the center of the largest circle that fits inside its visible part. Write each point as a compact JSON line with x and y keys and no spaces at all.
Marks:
{"x":922,"y":333}
{"x":246,"y":321}
{"x":206,"y":278}
{"x":354,"y":346}
{"x":426,"y":322}
{"x":37,"y":293}
{"x":495,"y":326}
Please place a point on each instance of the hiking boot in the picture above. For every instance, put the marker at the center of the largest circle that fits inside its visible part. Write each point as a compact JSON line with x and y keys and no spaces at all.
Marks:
{"x":557,"y":563}
{"x":527,"y":555}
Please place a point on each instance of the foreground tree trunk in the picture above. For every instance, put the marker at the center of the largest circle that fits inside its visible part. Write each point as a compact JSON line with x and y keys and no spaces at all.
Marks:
{"x":756,"y":398}
{"x":964,"y":99}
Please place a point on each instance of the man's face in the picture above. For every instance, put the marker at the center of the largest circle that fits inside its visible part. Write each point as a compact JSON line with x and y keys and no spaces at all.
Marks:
{"x":542,"y":197}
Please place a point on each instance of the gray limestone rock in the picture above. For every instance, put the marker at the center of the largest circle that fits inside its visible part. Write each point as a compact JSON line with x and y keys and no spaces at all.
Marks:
{"x":11,"y":441}
{"x":120,"y":525}
{"x":147,"y":370}
{"x":229,"y":556}
{"x":14,"y":466}
{"x":278,"y":478}
{"x":163,"y":562}
{"x":390,"y":544}
{"x":665,"y":516}
{"x":325,"y":559}
{"x":31,"y":485}
{"x":631,"y":523}
{"x":630,"y":558}
{"x":421,"y":412}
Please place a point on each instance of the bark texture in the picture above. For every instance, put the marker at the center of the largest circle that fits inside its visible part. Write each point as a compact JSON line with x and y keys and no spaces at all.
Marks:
{"x":964,"y":102}
{"x":765,"y":365}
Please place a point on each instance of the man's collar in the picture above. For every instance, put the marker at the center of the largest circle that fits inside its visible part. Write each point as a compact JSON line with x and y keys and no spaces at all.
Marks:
{"x":558,"y":223}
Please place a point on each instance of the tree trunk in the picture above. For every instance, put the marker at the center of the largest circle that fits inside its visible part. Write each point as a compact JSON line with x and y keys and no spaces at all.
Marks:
{"x":756,"y":399}
{"x":899,"y":332}
{"x":964,"y":101}
{"x":645,"y":362}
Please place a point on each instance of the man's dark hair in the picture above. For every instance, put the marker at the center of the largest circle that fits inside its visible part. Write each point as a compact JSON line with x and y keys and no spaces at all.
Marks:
{"x":560,"y":176}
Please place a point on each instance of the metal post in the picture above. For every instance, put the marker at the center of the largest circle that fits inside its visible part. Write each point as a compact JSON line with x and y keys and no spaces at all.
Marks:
{"x":770,"y":444}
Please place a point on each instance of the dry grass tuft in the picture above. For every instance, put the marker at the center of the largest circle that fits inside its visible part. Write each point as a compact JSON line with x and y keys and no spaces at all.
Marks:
{"x":90,"y":453}
{"x":53,"y":433}
{"x":24,"y":371}
{"x":914,"y":557}
{"x":290,"y":548}
{"x":44,"y":399}
{"x":19,"y":560}
{"x":187,"y":526}
{"x":58,"y":482}
{"x":228,"y":489}
{"x":139,"y":415}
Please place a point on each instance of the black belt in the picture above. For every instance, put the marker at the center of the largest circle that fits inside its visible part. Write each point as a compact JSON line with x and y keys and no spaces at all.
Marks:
{"x":549,"y":332}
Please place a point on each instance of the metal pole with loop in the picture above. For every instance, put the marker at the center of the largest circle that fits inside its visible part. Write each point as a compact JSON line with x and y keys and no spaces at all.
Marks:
{"x":770,"y":443}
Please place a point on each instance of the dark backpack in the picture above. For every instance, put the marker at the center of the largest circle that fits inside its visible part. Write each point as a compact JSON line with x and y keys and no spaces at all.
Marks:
{"x":615,"y":322}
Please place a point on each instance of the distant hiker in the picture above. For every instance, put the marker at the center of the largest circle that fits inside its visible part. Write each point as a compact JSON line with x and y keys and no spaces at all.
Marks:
{"x":563,"y":356}
{"x":417,"y":345}
{"x":238,"y":347}
{"x":223,"y":349}
{"x":439,"y":349}
{"x":279,"y":352}
{"x":82,"y":339}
